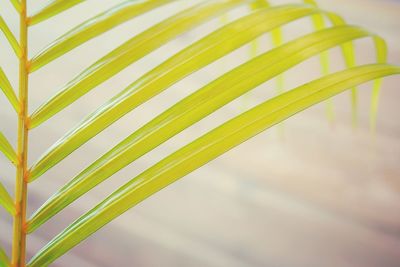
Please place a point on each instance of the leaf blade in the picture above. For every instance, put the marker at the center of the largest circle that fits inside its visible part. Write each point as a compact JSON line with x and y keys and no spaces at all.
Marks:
{"x":6,"y":200}
{"x":52,"y":9}
{"x":4,"y":260}
{"x":10,"y":37}
{"x":381,"y":56}
{"x":17,"y":5}
{"x":90,"y":127}
{"x":8,"y":91}
{"x":177,"y":67}
{"x":319,"y":23}
{"x":190,"y":110}
{"x":7,"y":149}
{"x":128,"y":53}
{"x":203,"y":150}
{"x":91,"y":29}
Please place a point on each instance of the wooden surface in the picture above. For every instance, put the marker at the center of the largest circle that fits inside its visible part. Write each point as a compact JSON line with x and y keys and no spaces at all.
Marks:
{"x":308,"y":194}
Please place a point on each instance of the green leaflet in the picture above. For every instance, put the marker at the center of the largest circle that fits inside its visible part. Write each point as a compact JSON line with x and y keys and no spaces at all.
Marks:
{"x":10,"y":37}
{"x":129,"y":52}
{"x":6,"y":200}
{"x":277,"y":40}
{"x":205,"y":149}
{"x":196,"y":56}
{"x":254,"y":45}
{"x":4,"y":261}
{"x":374,"y":104}
{"x":348,"y":50}
{"x":165,"y":75}
{"x":8,"y":91}
{"x":16,"y":4}
{"x":52,"y":9}
{"x":130,"y":98}
{"x":382,"y":58}
{"x":92,"y":28}
{"x":319,"y":24}
{"x":7,"y":149}
{"x":192,"y":109}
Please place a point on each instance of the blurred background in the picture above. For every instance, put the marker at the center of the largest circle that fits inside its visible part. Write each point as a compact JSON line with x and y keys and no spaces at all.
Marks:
{"x":309,"y":193}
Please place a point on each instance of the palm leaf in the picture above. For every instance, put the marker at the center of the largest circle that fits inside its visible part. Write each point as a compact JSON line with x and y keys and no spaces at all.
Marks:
{"x":92,"y":28}
{"x":8,"y":91}
{"x":192,"y":109}
{"x":184,"y":63}
{"x":10,"y":37}
{"x":4,"y":261}
{"x":16,"y":4}
{"x":7,"y":149}
{"x":129,"y":52}
{"x":381,"y":58}
{"x":6,"y":200}
{"x":319,"y":23}
{"x":205,"y":149}
{"x":52,"y":9}
{"x":263,"y":18}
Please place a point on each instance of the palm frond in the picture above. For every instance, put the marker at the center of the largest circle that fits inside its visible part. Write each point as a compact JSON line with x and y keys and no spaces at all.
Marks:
{"x":92,"y":28}
{"x":7,"y":149}
{"x":113,"y":110}
{"x":129,"y":52}
{"x":4,"y":260}
{"x":254,"y":45}
{"x":17,"y":5}
{"x":374,"y":104}
{"x":319,"y":23}
{"x":192,"y":109}
{"x":382,"y":55}
{"x":10,"y":37}
{"x":184,"y":63}
{"x":263,"y":18}
{"x":205,"y":149}
{"x":8,"y":91}
{"x":52,"y":9}
{"x":6,"y":200}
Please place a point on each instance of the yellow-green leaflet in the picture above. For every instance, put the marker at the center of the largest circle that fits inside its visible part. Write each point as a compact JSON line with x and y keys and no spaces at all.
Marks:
{"x":8,"y":91}
{"x":319,"y":24}
{"x":10,"y":37}
{"x":7,"y":149}
{"x":382,"y":58}
{"x":277,"y":40}
{"x":196,"y":56}
{"x":192,"y":109}
{"x":4,"y":261}
{"x":205,"y":149}
{"x":189,"y":60}
{"x":374,"y":104}
{"x":93,"y":28}
{"x":129,"y":52}
{"x":16,"y":4}
{"x":254,"y":45}
{"x":52,"y":9}
{"x":348,"y":50}
{"x":6,"y":200}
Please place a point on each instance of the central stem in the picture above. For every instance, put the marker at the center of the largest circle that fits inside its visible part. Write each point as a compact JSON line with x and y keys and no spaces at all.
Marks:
{"x":19,"y":229}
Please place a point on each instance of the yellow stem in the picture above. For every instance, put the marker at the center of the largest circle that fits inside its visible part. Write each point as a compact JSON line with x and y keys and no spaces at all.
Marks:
{"x":19,"y":229}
